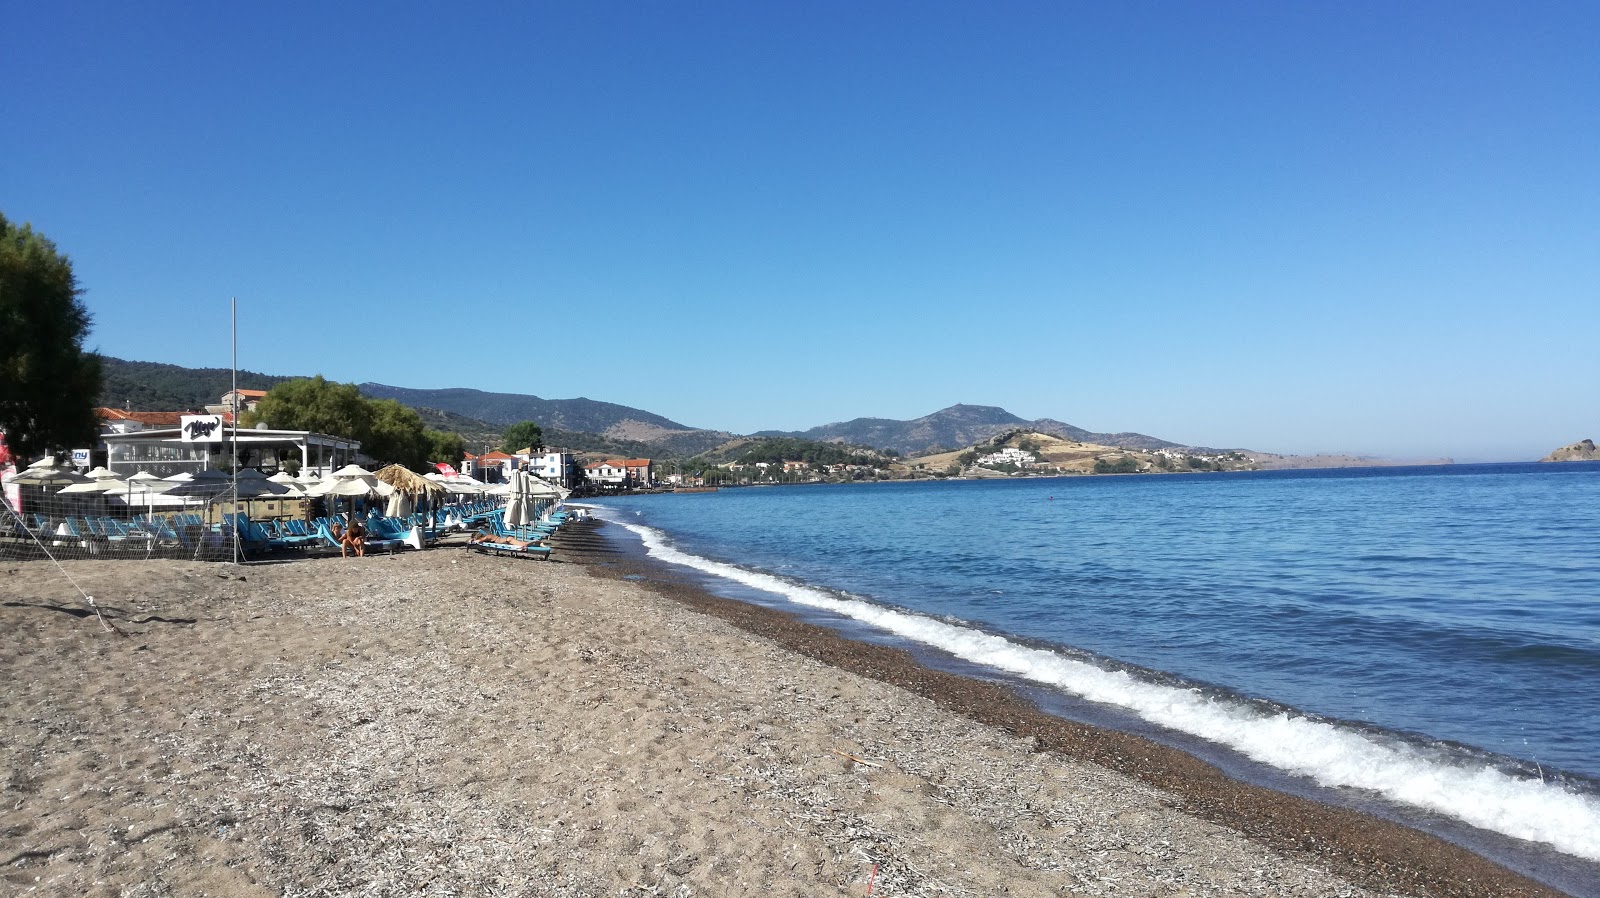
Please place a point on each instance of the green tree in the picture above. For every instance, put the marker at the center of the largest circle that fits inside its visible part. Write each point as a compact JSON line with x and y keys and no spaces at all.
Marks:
{"x":48,"y":383}
{"x":446,"y":446}
{"x":389,"y":432}
{"x":522,"y":435}
{"x":1122,"y":465}
{"x":314,"y":404}
{"x":396,"y":435}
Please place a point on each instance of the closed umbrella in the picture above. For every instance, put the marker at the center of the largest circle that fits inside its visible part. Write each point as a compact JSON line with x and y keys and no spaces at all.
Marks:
{"x":519,"y":507}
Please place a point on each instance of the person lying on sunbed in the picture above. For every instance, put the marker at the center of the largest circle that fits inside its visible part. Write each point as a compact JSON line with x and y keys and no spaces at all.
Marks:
{"x":483,"y":537}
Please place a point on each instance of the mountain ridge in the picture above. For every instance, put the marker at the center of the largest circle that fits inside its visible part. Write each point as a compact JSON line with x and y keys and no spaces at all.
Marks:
{"x":955,"y":427}
{"x":156,"y":386}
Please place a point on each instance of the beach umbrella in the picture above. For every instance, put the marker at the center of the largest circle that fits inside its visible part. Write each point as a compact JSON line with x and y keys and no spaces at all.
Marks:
{"x":539,"y":488}
{"x":45,"y":473}
{"x":526,"y":491}
{"x":351,"y":481}
{"x":460,"y":486}
{"x":100,"y":480}
{"x":407,"y":481}
{"x":208,"y":482}
{"x":253,"y":483}
{"x":284,"y":478}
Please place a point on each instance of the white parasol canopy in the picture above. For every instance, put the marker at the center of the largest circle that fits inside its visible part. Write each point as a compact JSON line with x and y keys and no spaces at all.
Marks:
{"x":208,"y":482}
{"x":45,"y":473}
{"x":253,"y":483}
{"x":352,"y":481}
{"x":100,"y":480}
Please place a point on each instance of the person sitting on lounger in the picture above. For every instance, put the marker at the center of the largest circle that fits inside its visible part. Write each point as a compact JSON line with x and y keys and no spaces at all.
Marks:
{"x":353,"y":538}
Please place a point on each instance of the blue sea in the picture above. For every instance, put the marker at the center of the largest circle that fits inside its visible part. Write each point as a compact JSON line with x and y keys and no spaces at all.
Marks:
{"x":1427,"y":637}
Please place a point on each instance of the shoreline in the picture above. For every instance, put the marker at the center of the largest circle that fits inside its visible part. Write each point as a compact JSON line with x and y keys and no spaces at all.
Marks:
{"x":1371,"y":850}
{"x":445,"y":723}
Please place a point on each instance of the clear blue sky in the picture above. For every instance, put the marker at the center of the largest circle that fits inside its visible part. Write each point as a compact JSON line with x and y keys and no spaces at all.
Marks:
{"x":1369,"y":227}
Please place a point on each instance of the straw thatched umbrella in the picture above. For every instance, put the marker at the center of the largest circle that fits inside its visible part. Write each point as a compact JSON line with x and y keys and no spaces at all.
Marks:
{"x":407,"y":481}
{"x":411,"y":489}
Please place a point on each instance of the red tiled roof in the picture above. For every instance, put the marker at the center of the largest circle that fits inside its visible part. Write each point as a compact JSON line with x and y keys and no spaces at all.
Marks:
{"x":153,"y":419}
{"x":255,"y":393}
{"x":496,"y":455}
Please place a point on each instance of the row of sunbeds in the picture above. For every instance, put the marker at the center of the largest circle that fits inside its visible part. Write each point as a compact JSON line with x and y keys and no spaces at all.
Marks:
{"x":189,"y":532}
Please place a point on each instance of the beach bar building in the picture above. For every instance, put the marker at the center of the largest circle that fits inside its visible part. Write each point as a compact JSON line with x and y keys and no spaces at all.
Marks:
{"x":168,"y":451}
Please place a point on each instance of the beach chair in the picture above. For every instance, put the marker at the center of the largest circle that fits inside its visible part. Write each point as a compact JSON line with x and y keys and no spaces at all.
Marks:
{"x":489,"y":548}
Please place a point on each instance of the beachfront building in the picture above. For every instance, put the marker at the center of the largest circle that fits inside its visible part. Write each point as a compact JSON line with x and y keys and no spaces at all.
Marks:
{"x":551,"y":467}
{"x":622,"y":473}
{"x":493,"y":466}
{"x":168,"y":451}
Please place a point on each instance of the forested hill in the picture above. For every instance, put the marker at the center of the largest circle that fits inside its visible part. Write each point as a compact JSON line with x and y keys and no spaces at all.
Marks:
{"x":155,"y":387}
{"x":956,"y":427}
{"x":587,"y":415}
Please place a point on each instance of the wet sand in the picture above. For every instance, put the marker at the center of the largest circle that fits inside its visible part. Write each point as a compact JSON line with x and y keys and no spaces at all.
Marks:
{"x":445,"y":723}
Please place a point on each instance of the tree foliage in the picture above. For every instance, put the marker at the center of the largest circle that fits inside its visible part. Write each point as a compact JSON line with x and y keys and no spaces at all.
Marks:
{"x":396,"y":435}
{"x":522,"y":435}
{"x":315,"y":404}
{"x":1125,"y":464}
{"x":445,"y":446}
{"x":389,"y":432}
{"x":48,"y":383}
{"x":776,"y":450}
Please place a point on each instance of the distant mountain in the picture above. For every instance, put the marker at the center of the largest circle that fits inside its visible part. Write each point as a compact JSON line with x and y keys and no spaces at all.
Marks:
{"x":956,"y":427}
{"x":618,"y":422}
{"x":590,"y":425}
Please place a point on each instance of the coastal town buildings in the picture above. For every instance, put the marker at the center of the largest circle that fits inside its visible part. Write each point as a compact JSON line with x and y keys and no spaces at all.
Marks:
{"x":235,"y":402}
{"x":552,"y":467}
{"x":493,"y":466}
{"x":621,"y":473}
{"x":1009,"y":456}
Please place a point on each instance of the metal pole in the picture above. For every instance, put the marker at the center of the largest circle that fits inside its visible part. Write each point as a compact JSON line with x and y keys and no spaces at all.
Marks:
{"x":234,"y":311}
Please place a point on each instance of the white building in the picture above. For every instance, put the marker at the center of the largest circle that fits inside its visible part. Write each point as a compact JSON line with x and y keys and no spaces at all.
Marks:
{"x":1009,"y":456}
{"x":551,"y":467}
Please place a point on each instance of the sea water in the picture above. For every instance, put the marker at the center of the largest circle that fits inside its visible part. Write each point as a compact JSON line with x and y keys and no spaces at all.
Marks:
{"x":1428,"y":636}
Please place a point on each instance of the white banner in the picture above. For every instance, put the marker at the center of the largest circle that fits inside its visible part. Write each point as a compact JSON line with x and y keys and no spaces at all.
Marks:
{"x":201,"y":429}
{"x":80,"y":457}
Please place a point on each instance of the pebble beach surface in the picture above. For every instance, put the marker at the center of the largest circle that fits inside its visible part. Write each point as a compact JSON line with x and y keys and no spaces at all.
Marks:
{"x":443,"y":723}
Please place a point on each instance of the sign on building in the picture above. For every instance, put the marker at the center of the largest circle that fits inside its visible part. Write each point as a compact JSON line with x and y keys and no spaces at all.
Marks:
{"x":201,"y":429}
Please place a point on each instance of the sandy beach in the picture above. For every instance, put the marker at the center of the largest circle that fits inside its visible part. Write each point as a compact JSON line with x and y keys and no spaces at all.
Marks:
{"x":440,"y":723}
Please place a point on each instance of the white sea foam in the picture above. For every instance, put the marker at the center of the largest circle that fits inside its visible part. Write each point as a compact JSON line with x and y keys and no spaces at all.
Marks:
{"x":1327,"y":753}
